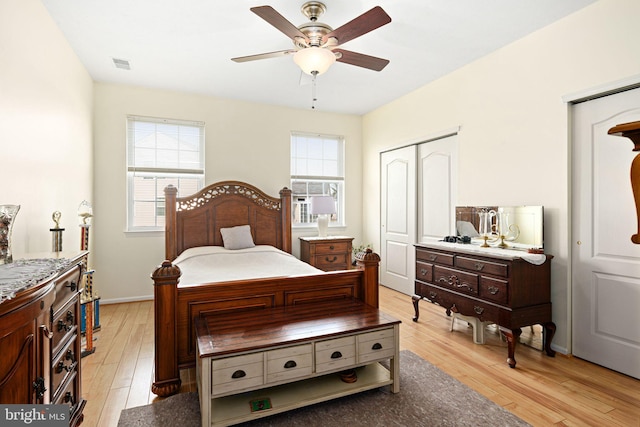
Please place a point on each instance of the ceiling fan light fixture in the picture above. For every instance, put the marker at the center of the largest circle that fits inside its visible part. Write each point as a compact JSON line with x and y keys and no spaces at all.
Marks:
{"x":314,"y":59}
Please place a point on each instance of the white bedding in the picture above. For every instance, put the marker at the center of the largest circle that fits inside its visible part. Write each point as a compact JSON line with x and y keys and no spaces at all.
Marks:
{"x":207,"y":264}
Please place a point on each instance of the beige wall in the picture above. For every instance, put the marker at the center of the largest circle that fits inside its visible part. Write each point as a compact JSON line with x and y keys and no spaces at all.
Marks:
{"x":513,"y":142}
{"x":45,"y":126}
{"x":244,"y":141}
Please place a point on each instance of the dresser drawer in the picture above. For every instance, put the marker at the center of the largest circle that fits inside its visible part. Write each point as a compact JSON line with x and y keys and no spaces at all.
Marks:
{"x":69,"y":394}
{"x":289,"y":363}
{"x":331,"y":262}
{"x":482,"y":266}
{"x":65,"y":324}
{"x":376,"y":345}
{"x":456,"y":280}
{"x":471,"y":307}
{"x":67,"y":286}
{"x":424,"y":271}
{"x":434,"y":257}
{"x":335,"y":354}
{"x":236,"y":373}
{"x":494,"y":289}
{"x":64,"y":365}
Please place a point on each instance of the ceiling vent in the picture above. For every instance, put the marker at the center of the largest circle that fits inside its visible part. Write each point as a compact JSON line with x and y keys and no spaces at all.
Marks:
{"x":121,"y":63}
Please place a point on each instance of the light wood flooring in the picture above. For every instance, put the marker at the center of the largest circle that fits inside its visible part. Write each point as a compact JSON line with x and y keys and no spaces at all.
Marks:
{"x":544,"y":391}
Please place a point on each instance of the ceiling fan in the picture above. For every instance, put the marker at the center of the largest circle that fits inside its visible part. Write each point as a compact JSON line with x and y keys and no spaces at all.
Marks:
{"x":316,"y":45}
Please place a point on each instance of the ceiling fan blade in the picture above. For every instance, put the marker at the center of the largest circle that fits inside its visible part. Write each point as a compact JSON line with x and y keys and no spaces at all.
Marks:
{"x":264,"y":55}
{"x":270,"y":15}
{"x":364,"y":23}
{"x":361,"y":60}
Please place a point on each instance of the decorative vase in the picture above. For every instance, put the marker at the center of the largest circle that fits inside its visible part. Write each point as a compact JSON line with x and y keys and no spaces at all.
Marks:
{"x":7,"y":216}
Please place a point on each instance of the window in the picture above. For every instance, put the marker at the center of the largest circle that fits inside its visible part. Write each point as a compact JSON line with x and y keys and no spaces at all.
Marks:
{"x":317,"y":169}
{"x":160,"y":152}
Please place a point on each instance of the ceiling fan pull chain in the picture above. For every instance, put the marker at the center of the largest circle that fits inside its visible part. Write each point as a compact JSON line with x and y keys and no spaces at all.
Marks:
{"x":314,"y":98}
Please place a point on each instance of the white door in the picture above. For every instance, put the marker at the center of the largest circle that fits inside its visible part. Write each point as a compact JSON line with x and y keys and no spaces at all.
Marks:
{"x":605,"y":263}
{"x":417,"y":202}
{"x":398,"y":218}
{"x":437,"y":164}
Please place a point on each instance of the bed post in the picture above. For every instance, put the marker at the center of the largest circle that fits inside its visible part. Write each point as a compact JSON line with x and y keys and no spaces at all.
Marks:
{"x":170,"y":236}
{"x":369,"y":262}
{"x":165,"y":299}
{"x":285,"y":209}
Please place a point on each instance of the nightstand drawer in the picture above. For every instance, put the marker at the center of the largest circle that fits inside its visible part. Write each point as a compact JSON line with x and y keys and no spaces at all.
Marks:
{"x":331,"y":262}
{"x":332,"y":247}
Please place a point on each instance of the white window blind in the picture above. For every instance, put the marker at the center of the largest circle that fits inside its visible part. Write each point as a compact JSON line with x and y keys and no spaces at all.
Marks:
{"x":317,"y":169}
{"x":160,"y":152}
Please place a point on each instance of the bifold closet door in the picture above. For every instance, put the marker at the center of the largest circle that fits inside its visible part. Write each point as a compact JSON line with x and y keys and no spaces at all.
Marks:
{"x":398,"y":218}
{"x":417,"y":205}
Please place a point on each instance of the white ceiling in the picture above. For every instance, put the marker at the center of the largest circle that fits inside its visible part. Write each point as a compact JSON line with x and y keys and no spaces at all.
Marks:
{"x":187,"y":45}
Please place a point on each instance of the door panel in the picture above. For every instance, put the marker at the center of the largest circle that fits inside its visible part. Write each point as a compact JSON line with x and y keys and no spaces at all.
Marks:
{"x":436,"y":172}
{"x":398,"y":218}
{"x":605,"y":263}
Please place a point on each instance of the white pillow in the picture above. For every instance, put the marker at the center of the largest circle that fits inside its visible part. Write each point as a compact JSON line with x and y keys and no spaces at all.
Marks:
{"x":237,"y":237}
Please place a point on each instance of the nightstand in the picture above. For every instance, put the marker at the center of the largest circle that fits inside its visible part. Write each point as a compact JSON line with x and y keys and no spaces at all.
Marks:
{"x":326,"y":253}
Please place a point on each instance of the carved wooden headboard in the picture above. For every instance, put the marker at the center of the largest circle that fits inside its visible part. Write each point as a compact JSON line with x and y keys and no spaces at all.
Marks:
{"x":196,"y":220}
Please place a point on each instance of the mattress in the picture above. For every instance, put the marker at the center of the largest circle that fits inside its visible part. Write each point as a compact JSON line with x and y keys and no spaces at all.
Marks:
{"x":209,"y":264}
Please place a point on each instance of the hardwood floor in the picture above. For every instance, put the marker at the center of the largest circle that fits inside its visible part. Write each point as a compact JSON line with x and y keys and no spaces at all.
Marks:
{"x":544,"y":391}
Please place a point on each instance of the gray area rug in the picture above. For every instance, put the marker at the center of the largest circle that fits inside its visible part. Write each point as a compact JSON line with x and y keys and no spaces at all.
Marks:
{"x":428,"y":397}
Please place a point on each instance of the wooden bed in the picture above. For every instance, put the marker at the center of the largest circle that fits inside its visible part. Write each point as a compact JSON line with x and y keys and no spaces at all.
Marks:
{"x":196,"y":220}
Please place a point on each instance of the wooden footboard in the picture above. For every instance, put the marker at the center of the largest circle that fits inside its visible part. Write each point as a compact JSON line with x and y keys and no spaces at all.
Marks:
{"x":177,"y":307}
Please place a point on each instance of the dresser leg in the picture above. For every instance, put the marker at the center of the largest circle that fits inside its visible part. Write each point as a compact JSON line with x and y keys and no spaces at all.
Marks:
{"x":512,"y":338}
{"x":548,"y":333}
{"x":416,"y":299}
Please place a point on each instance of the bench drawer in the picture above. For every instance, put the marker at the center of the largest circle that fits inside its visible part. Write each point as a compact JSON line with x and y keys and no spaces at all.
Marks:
{"x":335,"y":354}
{"x":289,"y":363}
{"x":236,"y":373}
{"x":376,"y":345}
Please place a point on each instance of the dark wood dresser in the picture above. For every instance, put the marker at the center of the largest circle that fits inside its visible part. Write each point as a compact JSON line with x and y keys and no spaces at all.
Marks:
{"x":39,"y":334}
{"x":509,"y":288}
{"x":327,"y":253}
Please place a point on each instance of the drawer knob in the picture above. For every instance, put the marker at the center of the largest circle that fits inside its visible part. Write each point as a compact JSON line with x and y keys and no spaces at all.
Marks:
{"x":38,"y":386}
{"x":238,"y":374}
{"x":493,"y":290}
{"x":433,"y":257}
{"x":68,"y":398}
{"x":376,"y":346}
{"x":335,"y":258}
{"x":73,"y":286}
{"x":290,"y":364}
{"x":478,"y":310}
{"x":63,"y":326}
{"x":61,"y":367}
{"x":70,"y":316}
{"x":331,"y":247}
{"x":433,"y":294}
{"x":478,"y":266}
{"x":336,"y":355}
{"x":423,"y":271}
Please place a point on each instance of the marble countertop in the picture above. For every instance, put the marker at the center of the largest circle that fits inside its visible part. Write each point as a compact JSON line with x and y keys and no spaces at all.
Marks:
{"x":24,"y":273}
{"x":510,"y":254}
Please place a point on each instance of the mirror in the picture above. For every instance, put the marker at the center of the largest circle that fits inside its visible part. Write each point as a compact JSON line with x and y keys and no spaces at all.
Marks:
{"x":516,"y":227}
